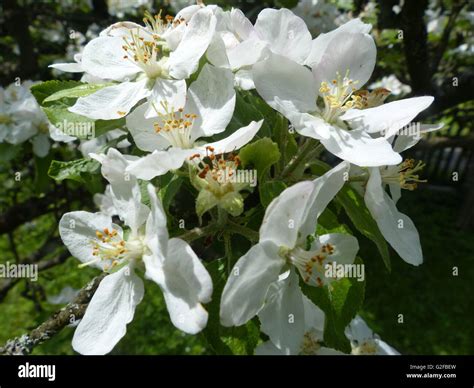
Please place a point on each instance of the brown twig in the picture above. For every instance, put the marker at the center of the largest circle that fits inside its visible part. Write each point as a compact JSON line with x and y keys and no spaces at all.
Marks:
{"x":75,"y":310}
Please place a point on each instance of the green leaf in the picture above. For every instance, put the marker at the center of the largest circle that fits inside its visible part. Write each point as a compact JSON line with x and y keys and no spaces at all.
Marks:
{"x":76,"y":92}
{"x":74,"y":170}
{"x":75,"y":125}
{"x":286,"y":139}
{"x":261,"y":154}
{"x":328,"y":223}
{"x":212,"y":331}
{"x":56,"y":97}
{"x":244,"y":339}
{"x":45,"y":89}
{"x":269,"y":191}
{"x":226,"y":341}
{"x":340,"y":301}
{"x":144,"y":192}
{"x":355,"y":207}
{"x":42,"y":181}
{"x":8,"y":151}
{"x":247,"y":110}
{"x":168,"y":192}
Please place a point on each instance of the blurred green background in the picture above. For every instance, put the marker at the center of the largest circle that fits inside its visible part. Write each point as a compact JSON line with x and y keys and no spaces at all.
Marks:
{"x":435,"y":50}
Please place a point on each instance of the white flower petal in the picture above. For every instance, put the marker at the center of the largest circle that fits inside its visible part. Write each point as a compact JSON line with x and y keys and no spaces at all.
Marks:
{"x":247,"y":53}
{"x":78,"y":232}
{"x":216,"y":53}
{"x":325,"y":189}
{"x":286,"y":33}
{"x":105,"y":202}
{"x":285,"y":85}
{"x":313,"y":317}
{"x":212,"y":98}
{"x":235,"y":141}
{"x":311,"y":126}
{"x":112,"y":102}
{"x":103,"y":57}
{"x":186,"y":285}
{"x":385,"y":349}
{"x":245,"y":290}
{"x":268,"y":349}
{"x":284,"y":301}
{"x":359,"y":148}
{"x":143,"y":130}
{"x":123,"y":29}
{"x":241,"y":25}
{"x":388,"y":118}
{"x":17,"y":134}
{"x":110,"y":311}
{"x":159,"y":163}
{"x":355,"y":53}
{"x":358,"y":330}
{"x":57,"y":135}
{"x":156,"y":227}
{"x":395,"y":192}
{"x":283,"y":219}
{"x":184,"y":61}
{"x":166,"y":96}
{"x":41,"y":145}
{"x":125,"y":189}
{"x":345,"y":247}
{"x":408,"y":140}
{"x":322,"y":42}
{"x":397,"y":228}
{"x":68,"y":67}
{"x":244,"y":79}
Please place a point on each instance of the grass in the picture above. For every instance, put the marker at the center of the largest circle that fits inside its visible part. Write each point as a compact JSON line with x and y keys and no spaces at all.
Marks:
{"x":437,"y":307}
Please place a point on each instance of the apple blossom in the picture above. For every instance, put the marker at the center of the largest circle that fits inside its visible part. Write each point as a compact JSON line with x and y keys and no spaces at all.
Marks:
{"x":171,"y":263}
{"x":21,"y":119}
{"x":284,"y":241}
{"x":173,"y":137}
{"x":294,"y":324}
{"x":151,"y":61}
{"x":343,"y":66}
{"x":238,"y":45}
{"x":397,"y":228}
{"x":364,"y":342}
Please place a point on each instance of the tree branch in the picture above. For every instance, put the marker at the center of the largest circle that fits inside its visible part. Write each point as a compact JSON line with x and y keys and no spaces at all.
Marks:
{"x":18,"y":28}
{"x":415,"y":39}
{"x":439,"y":52}
{"x":75,"y":310}
{"x":45,"y":249}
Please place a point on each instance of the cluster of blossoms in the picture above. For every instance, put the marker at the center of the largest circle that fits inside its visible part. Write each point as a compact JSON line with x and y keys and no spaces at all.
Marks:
{"x":21,"y":120}
{"x":176,"y":81}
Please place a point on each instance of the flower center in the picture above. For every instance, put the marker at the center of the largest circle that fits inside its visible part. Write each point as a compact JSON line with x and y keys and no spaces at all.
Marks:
{"x":368,"y":347}
{"x":219,"y":174}
{"x":43,"y":128}
{"x":176,"y":127}
{"x":311,"y":343}
{"x":372,"y":99}
{"x":338,"y":97}
{"x":404,"y":175}
{"x":311,"y":264}
{"x":5,"y":119}
{"x":114,"y":250}
{"x":150,"y":53}
{"x":159,"y":25}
